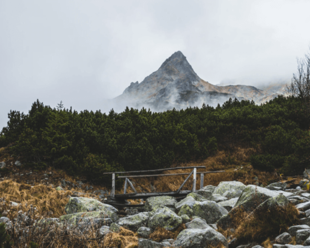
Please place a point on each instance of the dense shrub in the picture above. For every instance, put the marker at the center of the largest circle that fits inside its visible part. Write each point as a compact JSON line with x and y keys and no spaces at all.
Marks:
{"x":90,"y":143}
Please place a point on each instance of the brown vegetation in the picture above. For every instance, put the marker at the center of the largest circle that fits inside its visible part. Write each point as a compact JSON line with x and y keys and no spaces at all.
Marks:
{"x":161,"y":233}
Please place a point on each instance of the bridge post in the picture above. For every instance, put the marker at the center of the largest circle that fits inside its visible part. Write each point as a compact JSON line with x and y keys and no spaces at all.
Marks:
{"x":113,"y":185}
{"x":201,"y":180}
{"x":194,"y":179}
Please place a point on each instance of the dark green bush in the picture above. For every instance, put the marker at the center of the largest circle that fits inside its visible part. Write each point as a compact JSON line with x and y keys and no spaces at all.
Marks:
{"x":267,"y":162}
{"x":89,"y":143}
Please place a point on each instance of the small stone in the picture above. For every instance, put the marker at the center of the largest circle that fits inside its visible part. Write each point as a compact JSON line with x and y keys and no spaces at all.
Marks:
{"x":144,"y":232}
{"x":18,"y":163}
{"x":283,"y":238}
{"x":104,"y":230}
{"x":114,"y":227}
{"x":59,"y":188}
{"x":302,"y":235}
{"x":293,"y":229}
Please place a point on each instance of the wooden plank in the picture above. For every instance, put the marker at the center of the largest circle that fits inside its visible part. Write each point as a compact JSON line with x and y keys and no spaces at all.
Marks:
{"x":154,"y":175}
{"x":166,"y":175}
{"x":133,"y":188}
{"x":143,"y":171}
{"x":194,"y":180}
{"x":201,"y":180}
{"x":125,"y":186}
{"x":184,"y":182}
{"x":113,"y":185}
{"x":147,"y":195}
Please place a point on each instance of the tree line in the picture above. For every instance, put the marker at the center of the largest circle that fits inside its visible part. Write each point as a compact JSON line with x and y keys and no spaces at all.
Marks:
{"x":89,"y":143}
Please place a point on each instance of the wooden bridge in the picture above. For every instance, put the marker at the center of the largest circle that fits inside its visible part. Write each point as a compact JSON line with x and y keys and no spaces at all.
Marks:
{"x":119,"y":200}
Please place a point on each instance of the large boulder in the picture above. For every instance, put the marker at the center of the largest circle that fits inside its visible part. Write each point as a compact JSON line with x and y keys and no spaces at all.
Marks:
{"x":283,"y":238}
{"x":229,"y":204}
{"x":206,"y":191}
{"x":229,"y":189}
{"x":106,"y":216}
{"x":253,"y":195}
{"x":153,"y":203}
{"x":166,"y":218}
{"x":188,"y":200}
{"x":197,"y":223}
{"x":84,"y":204}
{"x":133,"y":222}
{"x":278,"y":200}
{"x":200,"y":238}
{"x":303,"y":206}
{"x":302,"y":235}
{"x":146,"y":243}
{"x":209,"y":210}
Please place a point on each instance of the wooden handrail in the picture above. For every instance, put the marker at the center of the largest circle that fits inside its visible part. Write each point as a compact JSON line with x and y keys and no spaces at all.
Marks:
{"x":167,"y":175}
{"x":143,"y":171}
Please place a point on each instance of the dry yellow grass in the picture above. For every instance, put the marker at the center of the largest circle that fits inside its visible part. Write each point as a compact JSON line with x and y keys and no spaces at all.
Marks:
{"x":47,"y":200}
{"x":123,"y":239}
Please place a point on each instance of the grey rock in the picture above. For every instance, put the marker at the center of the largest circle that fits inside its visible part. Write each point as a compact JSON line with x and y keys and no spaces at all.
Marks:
{"x":104,"y":230}
{"x":257,"y":246}
{"x":293,"y":229}
{"x":283,"y":238}
{"x":133,"y":222}
{"x":145,"y":243}
{"x":88,"y":222}
{"x":302,"y":235}
{"x":114,"y":227}
{"x":278,"y":246}
{"x":83,"y":204}
{"x":196,"y":196}
{"x":306,"y":173}
{"x":277,"y":186}
{"x":303,"y":206}
{"x":188,"y":200}
{"x":153,"y":203}
{"x":59,"y":188}
{"x":229,"y":204}
{"x":229,"y":189}
{"x":200,"y":238}
{"x":131,"y":211}
{"x":307,"y":195}
{"x":185,"y":218}
{"x":18,"y":163}
{"x":144,"y":232}
{"x":2,"y":165}
{"x":307,"y":242}
{"x":8,"y":223}
{"x":197,"y":223}
{"x":253,"y":195}
{"x":218,"y":198}
{"x":206,"y":191}
{"x":305,"y":221}
{"x":186,"y":210}
{"x":108,"y":216}
{"x":166,"y":218}
{"x":298,"y":188}
{"x":307,"y":212}
{"x":209,"y":210}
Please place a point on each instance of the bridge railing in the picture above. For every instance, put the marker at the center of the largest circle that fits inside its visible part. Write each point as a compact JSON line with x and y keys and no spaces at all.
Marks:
{"x":192,"y":173}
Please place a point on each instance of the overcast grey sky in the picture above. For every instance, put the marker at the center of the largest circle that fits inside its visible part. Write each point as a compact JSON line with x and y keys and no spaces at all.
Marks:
{"x":83,"y":52}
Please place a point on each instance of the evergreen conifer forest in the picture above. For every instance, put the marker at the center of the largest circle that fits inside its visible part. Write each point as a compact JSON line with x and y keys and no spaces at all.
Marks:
{"x":90,"y":143}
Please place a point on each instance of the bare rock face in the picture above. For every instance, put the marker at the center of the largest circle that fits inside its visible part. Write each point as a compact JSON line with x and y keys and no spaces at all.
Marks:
{"x":176,"y":85}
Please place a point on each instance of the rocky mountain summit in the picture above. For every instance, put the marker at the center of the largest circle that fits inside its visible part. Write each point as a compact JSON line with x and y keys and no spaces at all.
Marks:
{"x":176,"y":85}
